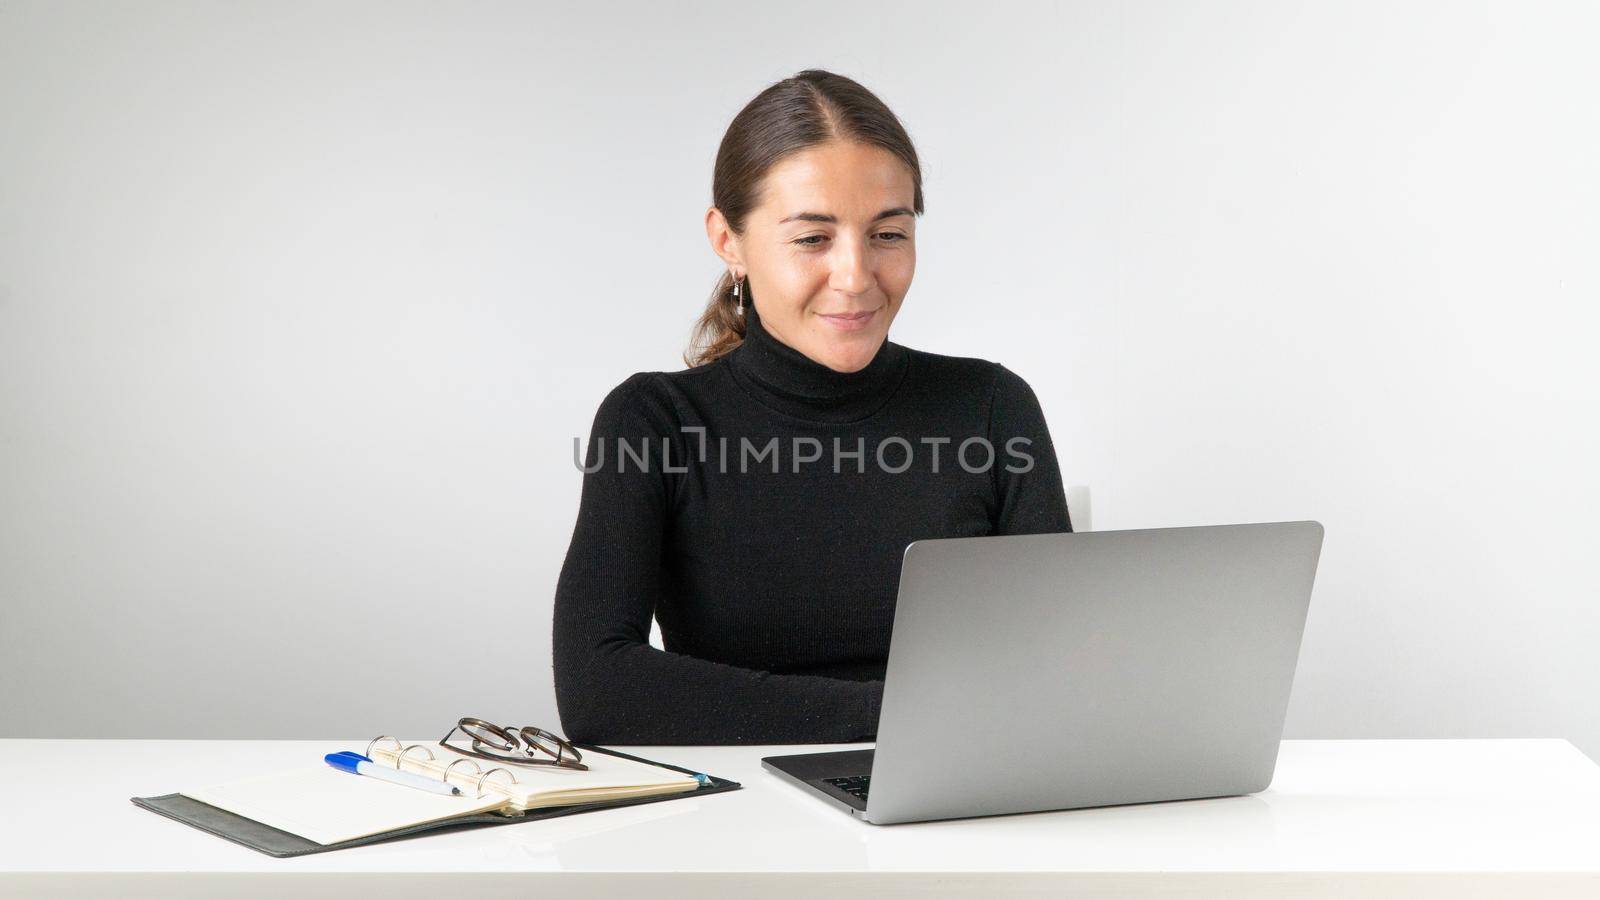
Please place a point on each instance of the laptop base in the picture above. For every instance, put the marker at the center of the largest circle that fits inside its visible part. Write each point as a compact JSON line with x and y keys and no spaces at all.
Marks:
{"x":811,"y":771}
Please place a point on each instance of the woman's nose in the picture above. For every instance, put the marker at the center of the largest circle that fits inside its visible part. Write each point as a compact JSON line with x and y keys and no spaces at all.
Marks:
{"x":852,"y":268}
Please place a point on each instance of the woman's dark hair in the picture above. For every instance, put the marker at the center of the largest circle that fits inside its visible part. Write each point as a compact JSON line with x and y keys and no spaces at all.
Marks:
{"x":811,"y":108}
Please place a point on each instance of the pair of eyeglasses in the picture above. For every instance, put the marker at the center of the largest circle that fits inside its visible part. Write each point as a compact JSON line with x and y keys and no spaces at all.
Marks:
{"x":522,"y":745}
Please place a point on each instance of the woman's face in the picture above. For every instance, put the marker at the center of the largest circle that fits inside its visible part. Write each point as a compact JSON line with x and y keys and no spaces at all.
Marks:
{"x":829,"y":250}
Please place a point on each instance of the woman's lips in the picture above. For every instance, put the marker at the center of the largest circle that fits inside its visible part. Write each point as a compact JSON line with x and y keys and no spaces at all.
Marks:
{"x":849,"y":321}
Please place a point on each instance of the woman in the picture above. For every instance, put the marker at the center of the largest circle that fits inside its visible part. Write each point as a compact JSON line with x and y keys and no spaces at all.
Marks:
{"x":758,"y":503}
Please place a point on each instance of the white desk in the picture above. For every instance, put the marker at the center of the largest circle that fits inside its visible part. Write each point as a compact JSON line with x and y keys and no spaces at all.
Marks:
{"x":1342,"y":818}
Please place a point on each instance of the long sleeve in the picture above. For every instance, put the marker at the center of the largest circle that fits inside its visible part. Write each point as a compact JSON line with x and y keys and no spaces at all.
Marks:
{"x":611,"y":686}
{"x":1031,"y":499}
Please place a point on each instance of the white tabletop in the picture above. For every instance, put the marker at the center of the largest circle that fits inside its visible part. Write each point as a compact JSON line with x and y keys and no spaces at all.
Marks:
{"x":1412,"y":818}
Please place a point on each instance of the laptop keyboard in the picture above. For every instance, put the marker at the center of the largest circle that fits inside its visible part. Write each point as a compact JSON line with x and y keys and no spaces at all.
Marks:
{"x":854,"y":784}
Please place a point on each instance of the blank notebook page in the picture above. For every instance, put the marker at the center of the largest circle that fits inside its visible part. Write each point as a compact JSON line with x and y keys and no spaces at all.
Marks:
{"x":322,"y":804}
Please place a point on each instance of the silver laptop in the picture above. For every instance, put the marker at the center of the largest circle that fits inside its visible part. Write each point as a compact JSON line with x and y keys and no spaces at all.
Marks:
{"x":1057,"y":671}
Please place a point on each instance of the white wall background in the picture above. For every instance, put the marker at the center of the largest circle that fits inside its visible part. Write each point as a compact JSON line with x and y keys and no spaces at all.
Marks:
{"x":302,"y":304}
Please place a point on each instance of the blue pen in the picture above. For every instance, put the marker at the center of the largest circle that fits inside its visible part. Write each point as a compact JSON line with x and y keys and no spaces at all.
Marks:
{"x":361,"y":765}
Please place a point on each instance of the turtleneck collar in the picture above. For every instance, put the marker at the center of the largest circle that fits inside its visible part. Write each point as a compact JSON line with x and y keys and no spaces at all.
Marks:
{"x":797,"y":385}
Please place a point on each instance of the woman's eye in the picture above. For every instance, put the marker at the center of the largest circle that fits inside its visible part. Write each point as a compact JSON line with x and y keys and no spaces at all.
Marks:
{"x":815,"y":239}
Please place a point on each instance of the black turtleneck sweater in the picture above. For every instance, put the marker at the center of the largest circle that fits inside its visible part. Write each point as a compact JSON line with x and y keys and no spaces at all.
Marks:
{"x":775,"y":590}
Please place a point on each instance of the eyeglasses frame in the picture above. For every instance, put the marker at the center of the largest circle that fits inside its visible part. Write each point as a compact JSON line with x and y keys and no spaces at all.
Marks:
{"x":523,"y":740}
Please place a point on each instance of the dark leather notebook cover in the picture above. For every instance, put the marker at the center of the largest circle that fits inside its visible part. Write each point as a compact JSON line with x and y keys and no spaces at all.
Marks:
{"x":274,"y":842}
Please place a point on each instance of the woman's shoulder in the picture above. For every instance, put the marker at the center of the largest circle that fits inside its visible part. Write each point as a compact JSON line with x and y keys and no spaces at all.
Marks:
{"x":652,"y":396}
{"x":967,"y":374}
{"x":659,"y":386}
{"x":640,"y":403}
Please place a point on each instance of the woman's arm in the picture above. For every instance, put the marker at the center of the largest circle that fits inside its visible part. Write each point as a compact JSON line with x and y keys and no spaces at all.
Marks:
{"x":1030,"y":497}
{"x":612,"y":687}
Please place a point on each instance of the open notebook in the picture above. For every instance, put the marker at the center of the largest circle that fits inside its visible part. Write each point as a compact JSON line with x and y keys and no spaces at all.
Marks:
{"x":327,"y":806}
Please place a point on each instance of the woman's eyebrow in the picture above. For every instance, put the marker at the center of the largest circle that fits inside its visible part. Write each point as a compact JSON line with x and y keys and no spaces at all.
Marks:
{"x":825,"y":217}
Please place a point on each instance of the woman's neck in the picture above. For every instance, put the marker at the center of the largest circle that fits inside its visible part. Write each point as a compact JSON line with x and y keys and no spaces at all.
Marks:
{"x":799,"y":386}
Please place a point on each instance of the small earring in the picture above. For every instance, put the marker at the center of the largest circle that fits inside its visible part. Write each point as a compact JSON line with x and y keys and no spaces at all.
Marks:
{"x":738,"y":295}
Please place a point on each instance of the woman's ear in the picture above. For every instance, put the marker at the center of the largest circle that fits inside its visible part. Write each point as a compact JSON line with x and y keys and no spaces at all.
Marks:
{"x":724,"y":242}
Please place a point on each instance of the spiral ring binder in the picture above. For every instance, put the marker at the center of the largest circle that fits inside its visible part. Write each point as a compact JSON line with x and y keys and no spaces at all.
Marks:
{"x":446,"y":776}
{"x":401,"y":756}
{"x":491,"y":772}
{"x":382,"y":737}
